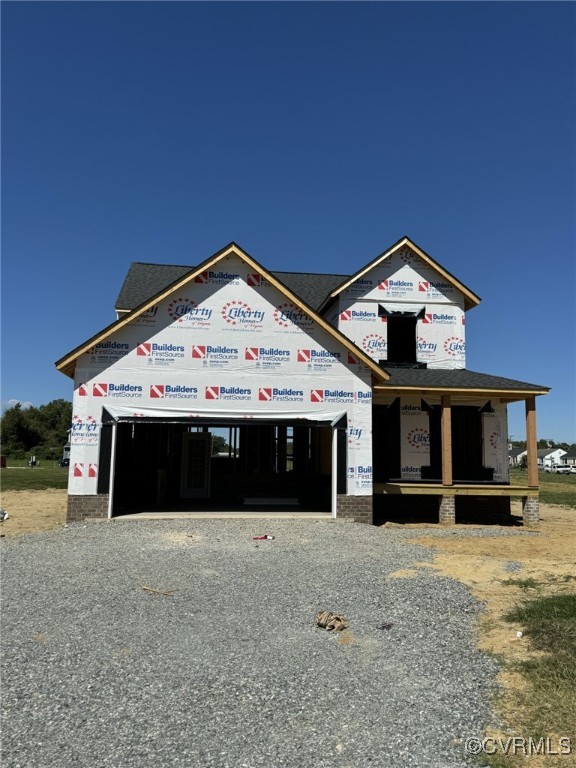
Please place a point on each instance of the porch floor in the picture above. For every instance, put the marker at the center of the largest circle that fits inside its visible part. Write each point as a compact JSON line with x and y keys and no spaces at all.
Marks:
{"x":461,"y":489}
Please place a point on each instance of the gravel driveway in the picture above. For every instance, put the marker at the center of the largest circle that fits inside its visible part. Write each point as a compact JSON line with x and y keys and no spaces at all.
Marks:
{"x":231,"y":670}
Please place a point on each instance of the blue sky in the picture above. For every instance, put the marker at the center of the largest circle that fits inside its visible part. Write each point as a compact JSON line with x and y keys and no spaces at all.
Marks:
{"x":314,"y":135}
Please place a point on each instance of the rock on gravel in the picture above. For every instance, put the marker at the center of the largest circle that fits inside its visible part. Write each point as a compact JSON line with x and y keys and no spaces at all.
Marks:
{"x":230,"y":669}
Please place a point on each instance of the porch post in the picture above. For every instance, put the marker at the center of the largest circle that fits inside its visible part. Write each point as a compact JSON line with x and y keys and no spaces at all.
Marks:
{"x":531,"y":505}
{"x":531,"y":443}
{"x":446,"y":434}
{"x":112,"y":469}
{"x":447,"y":510}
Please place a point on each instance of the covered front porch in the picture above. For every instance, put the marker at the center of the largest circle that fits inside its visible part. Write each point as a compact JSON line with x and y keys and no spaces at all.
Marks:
{"x":459,"y":470}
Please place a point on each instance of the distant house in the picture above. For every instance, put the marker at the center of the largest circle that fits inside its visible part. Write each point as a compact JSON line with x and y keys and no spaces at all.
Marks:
{"x":550,"y":456}
{"x":515,"y":456}
{"x":569,"y":458}
{"x":343,"y":394}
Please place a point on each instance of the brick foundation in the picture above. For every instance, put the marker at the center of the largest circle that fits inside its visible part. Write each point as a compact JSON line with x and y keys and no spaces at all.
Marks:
{"x":357,"y":508}
{"x":447,"y":510}
{"x":530,"y":511}
{"x":86,"y":507}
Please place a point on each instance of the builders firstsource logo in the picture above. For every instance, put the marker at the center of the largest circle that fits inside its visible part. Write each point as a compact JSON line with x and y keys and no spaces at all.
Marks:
{"x":434,"y":289}
{"x":359,"y":287}
{"x":163,"y":354}
{"x":396,"y":287}
{"x":217,"y":278}
{"x":172,"y":392}
{"x":361,"y":475}
{"x":254,"y":280}
{"x":108,"y":351}
{"x":274,"y":394}
{"x":439,"y":318}
{"x":217,"y":356}
{"x":331,"y":396}
{"x":264,"y":356}
{"x":116,"y":390}
{"x":241,"y":316}
{"x":363,"y":315}
{"x":227,"y":393}
{"x":318,"y":359}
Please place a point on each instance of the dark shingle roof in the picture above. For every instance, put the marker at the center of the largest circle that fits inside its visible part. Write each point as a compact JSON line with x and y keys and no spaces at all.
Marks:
{"x":145,"y":280}
{"x":431,"y":378}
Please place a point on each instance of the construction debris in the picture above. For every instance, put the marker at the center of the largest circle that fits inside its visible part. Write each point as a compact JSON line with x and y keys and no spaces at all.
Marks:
{"x":331,"y":621}
{"x":159,"y":592}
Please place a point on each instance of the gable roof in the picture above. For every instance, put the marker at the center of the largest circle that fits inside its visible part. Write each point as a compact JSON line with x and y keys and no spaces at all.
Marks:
{"x":67,"y":364}
{"x":145,"y":280}
{"x":543,"y":452}
{"x":470,"y":299}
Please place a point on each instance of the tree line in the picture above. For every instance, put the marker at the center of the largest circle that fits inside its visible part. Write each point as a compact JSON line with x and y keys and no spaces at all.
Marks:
{"x":36,"y":431}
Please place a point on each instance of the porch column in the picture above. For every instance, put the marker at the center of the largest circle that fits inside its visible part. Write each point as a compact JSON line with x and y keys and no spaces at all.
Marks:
{"x":531,"y":505}
{"x":446,"y":436}
{"x":447,"y":510}
{"x":531,"y":443}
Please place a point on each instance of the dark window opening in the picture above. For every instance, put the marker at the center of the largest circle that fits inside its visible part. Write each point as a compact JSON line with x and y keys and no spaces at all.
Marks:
{"x":402,"y":339}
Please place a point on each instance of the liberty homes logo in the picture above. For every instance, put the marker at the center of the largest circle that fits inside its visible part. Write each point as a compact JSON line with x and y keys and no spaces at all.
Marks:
{"x":418,"y":438}
{"x":240,"y":314}
{"x":426,"y":348}
{"x":374,"y":343}
{"x":85,"y":431}
{"x":454,"y":346}
{"x":288,"y":315}
{"x":187,"y":312}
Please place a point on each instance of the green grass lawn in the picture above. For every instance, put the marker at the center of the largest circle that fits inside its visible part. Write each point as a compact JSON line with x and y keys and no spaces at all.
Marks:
{"x":554,"y":489}
{"x":550,"y":625}
{"x":18,"y":476}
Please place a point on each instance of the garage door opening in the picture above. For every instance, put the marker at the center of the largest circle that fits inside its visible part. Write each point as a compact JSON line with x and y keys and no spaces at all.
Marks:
{"x":203,"y":467}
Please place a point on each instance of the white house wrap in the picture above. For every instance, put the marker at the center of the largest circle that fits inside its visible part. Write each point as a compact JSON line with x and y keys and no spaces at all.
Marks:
{"x":333,"y":390}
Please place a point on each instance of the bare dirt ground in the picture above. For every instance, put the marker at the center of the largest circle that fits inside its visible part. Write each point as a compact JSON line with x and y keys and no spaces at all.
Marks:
{"x":33,"y":511}
{"x":500,"y":571}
